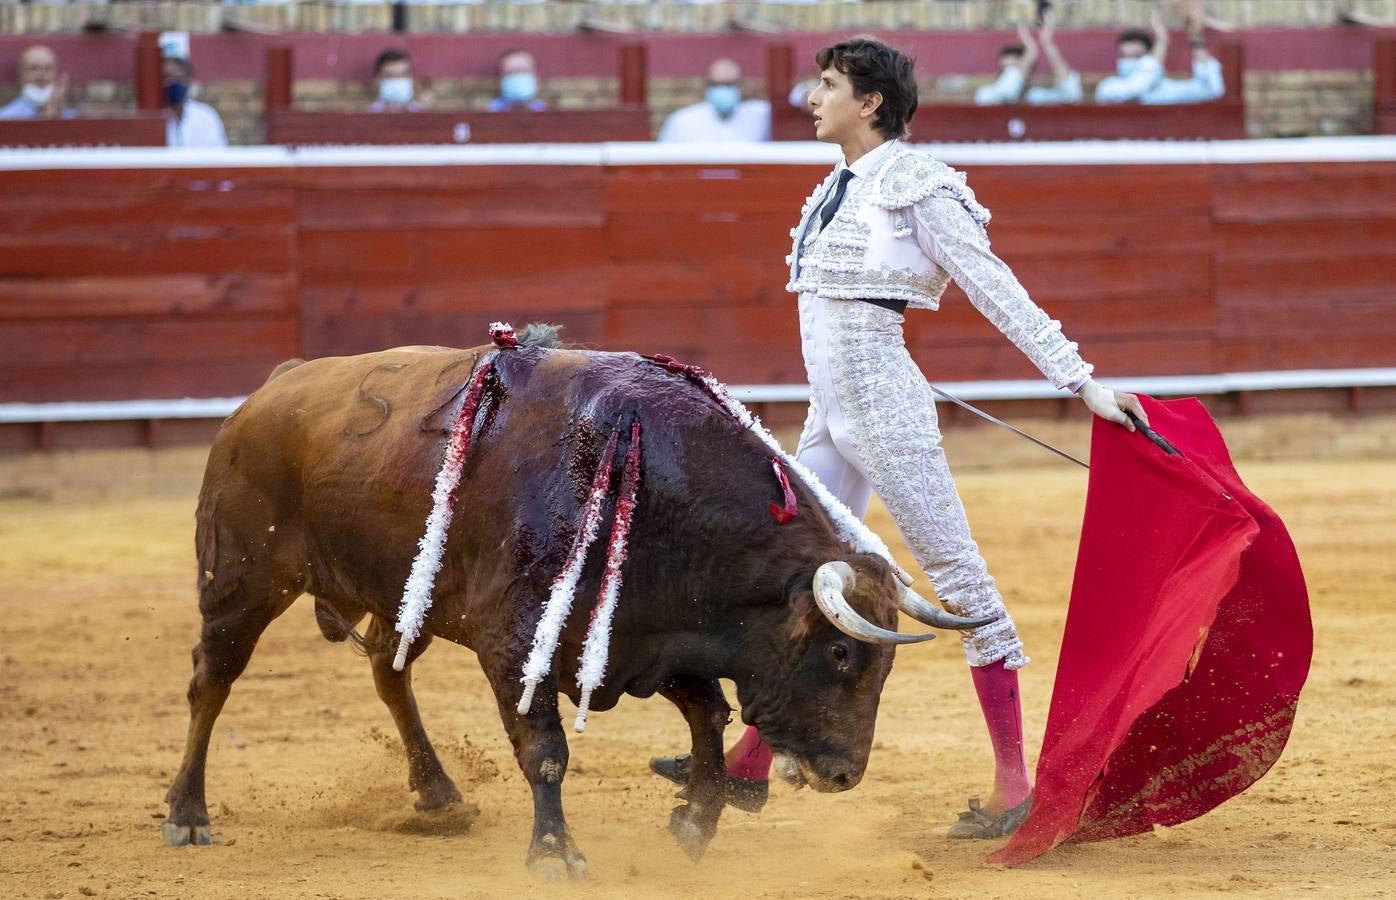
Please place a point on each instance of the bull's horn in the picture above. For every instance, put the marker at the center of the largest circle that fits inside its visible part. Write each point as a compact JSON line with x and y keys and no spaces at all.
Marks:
{"x":831,"y":580}
{"x":914,"y":605}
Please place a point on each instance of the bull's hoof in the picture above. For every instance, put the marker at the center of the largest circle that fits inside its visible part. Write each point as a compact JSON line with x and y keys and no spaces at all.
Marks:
{"x":176,"y":835}
{"x":438,"y":796}
{"x":693,"y":830}
{"x":549,"y":849}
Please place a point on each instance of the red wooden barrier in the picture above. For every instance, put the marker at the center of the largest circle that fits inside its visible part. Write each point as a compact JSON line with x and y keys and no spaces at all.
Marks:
{"x":150,"y":72}
{"x":1219,"y":120}
{"x":146,"y":130}
{"x":1384,"y":86}
{"x":166,"y":283}
{"x":145,"y":282}
{"x":568,"y":126}
{"x":280,"y":76}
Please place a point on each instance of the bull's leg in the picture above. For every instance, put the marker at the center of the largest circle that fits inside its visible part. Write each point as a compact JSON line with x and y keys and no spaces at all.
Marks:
{"x":540,"y":747}
{"x":705,"y":709}
{"x":424,"y":772}
{"x":233,"y":621}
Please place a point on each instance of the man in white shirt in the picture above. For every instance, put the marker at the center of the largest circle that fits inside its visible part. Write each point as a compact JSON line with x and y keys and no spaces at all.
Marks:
{"x":42,"y":88}
{"x":1140,"y":73}
{"x":887,"y":230}
{"x":723,"y":116}
{"x":188,"y":123}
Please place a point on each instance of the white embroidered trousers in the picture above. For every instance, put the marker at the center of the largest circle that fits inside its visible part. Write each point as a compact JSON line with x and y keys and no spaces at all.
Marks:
{"x":872,"y":426}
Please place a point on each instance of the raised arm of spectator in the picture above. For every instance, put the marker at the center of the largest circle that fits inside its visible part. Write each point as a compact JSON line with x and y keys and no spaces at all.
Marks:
{"x":1047,"y":36}
{"x":1196,"y":36}
{"x":1066,"y":81}
{"x":1030,"y":52}
{"x":1160,"y":50}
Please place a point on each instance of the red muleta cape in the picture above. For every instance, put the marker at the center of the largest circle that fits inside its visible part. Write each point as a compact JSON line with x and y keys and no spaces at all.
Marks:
{"x":1187,"y":641}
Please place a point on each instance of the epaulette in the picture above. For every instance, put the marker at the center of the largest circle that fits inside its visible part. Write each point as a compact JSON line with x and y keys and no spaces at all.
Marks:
{"x":910,"y":177}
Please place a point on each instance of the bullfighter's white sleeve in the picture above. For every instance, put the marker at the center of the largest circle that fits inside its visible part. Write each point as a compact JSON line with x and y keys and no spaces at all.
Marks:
{"x":947,"y":233}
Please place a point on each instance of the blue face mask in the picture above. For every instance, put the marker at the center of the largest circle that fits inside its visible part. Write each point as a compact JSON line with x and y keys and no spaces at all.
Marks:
{"x":519,"y":87}
{"x":1128,"y":65}
{"x":724,"y":97}
{"x":176,"y":92}
{"x":397,"y":91}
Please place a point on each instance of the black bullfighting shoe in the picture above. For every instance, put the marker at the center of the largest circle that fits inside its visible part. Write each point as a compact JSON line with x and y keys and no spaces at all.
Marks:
{"x":744,"y":794}
{"x":977,"y":823}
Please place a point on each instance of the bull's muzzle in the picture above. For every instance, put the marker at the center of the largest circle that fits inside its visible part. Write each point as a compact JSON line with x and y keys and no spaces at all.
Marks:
{"x":826,"y":774}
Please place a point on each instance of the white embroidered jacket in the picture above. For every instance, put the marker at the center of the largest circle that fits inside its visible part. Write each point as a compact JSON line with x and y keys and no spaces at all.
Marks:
{"x":909,"y":227}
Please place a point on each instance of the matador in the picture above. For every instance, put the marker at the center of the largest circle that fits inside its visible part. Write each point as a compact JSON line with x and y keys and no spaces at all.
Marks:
{"x":885,"y":233}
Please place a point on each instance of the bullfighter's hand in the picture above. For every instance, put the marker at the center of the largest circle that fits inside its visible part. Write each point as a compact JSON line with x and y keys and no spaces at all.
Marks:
{"x":1112,"y":405}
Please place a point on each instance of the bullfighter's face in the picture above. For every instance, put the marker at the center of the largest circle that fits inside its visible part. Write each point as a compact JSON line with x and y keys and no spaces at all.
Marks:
{"x":839,"y":114}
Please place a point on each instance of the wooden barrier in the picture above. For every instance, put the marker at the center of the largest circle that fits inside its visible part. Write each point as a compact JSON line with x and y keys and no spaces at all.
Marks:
{"x":1384,"y":86}
{"x":146,"y":282}
{"x":133,"y":131}
{"x":1219,"y":120}
{"x":151,"y":282}
{"x":555,"y":126}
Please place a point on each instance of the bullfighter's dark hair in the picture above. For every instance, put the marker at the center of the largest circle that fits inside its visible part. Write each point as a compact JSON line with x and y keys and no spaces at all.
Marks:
{"x":876,"y":68}
{"x":391,"y":55}
{"x":1136,"y":35}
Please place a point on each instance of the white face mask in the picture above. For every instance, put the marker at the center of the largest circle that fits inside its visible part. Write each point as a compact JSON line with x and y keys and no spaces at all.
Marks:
{"x":38,"y":95}
{"x":395,"y":90}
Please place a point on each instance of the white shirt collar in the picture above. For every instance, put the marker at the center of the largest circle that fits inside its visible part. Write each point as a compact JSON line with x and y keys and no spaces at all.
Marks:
{"x":870,"y":160}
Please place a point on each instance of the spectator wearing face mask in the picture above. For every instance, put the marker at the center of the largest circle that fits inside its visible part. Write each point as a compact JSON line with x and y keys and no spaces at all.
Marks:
{"x":42,"y":88}
{"x":1016,"y":62}
{"x":397,"y":88}
{"x":723,"y":116}
{"x":1139,"y":68}
{"x":188,"y":123}
{"x":518,"y":83}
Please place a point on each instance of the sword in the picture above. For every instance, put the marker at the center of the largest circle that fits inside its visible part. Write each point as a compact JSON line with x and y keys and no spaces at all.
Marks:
{"x":1143,"y":429}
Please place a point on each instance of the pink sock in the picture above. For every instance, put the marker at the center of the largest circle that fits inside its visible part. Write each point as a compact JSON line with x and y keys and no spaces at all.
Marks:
{"x":749,"y":758}
{"x":1003,"y":714}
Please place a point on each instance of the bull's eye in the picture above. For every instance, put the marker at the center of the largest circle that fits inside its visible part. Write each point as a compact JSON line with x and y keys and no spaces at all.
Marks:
{"x":839,"y":652}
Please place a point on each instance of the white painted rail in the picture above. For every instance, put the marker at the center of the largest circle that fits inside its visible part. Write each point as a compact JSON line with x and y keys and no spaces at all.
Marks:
{"x":1154,"y":385}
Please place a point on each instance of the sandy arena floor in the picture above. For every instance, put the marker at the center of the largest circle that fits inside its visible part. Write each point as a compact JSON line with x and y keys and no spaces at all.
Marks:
{"x":308,"y":788}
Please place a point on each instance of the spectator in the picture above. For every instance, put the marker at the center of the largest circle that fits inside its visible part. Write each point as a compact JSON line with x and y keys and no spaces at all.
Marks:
{"x":188,"y":123}
{"x":723,"y":115}
{"x":1139,"y":68}
{"x":1066,"y":81}
{"x":397,"y":88}
{"x":1016,"y":62}
{"x":42,"y":87}
{"x":518,"y":83}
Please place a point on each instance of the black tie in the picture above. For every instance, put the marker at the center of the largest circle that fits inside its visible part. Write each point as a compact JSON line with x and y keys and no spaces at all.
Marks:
{"x":832,"y":206}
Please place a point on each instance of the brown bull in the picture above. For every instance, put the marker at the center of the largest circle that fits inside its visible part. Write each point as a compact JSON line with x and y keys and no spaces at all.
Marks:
{"x":320,"y":484}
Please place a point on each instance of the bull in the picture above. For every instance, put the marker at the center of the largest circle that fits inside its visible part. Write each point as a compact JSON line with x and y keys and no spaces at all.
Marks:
{"x":320,"y":482}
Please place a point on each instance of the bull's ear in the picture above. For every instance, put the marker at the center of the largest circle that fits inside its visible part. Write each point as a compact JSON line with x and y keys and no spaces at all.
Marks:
{"x":805,"y":618}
